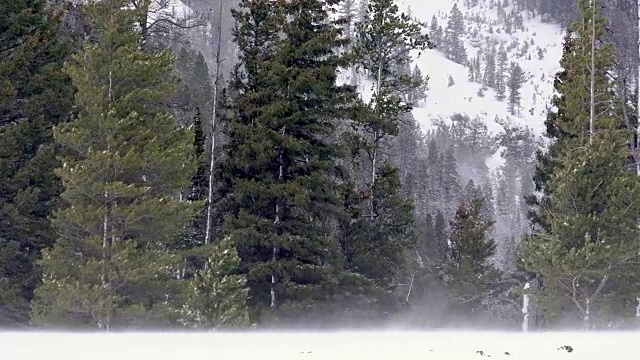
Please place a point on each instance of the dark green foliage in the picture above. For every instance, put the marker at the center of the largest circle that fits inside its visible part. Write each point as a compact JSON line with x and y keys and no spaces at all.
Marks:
{"x":376,"y":249}
{"x":35,"y":94}
{"x":501,"y":73}
{"x":470,"y":277}
{"x":377,"y":238}
{"x":587,"y":250}
{"x":454,"y":33}
{"x":279,"y":167}
{"x":569,"y":124}
{"x":217,"y":295}
{"x":124,"y":162}
{"x":515,"y":80}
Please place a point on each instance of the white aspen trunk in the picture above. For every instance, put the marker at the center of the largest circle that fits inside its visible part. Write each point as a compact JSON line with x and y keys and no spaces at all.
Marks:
{"x":274,"y":251}
{"x":212,"y":159}
{"x":406,"y":300}
{"x":105,"y":245}
{"x":272,"y":291}
{"x":376,"y":134}
{"x":525,"y":309}
{"x":105,"y":224}
{"x":587,"y":313}
{"x":592,"y":102}
{"x":638,"y":307}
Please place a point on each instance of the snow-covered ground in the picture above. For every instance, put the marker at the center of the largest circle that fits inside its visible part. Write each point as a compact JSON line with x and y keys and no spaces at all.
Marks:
{"x":333,"y":346}
{"x":444,"y":101}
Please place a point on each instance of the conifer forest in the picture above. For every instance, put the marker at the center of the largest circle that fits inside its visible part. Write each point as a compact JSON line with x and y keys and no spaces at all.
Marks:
{"x":238,"y":164}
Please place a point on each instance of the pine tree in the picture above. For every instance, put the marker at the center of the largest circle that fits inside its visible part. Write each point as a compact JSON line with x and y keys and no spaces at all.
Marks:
{"x":470,"y":276}
{"x":279,"y":160}
{"x":500,"y":85}
{"x":435,"y":33}
{"x":191,"y":238}
{"x":490,"y":68}
{"x":450,"y":183}
{"x":471,"y":75}
{"x":419,"y":93}
{"x":199,"y":180}
{"x":123,"y":163}
{"x":386,"y":39}
{"x":456,"y":21}
{"x":427,"y":244}
{"x":441,"y":237}
{"x":515,"y":80}
{"x":217,"y":296}
{"x":35,"y":94}
{"x":455,"y":32}
{"x":589,"y":227}
{"x":348,"y":11}
{"x":377,"y":249}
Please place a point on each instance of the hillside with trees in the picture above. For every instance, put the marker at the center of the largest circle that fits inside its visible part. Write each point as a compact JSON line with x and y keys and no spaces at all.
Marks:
{"x":266,"y":163}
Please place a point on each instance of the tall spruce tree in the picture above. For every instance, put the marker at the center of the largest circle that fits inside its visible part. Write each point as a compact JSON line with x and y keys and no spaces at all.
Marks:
{"x":501,"y":74}
{"x":35,"y":94}
{"x":385,"y":39}
{"x":470,"y":275}
{"x":515,"y":80}
{"x":124,"y":163}
{"x":587,"y":251}
{"x":279,"y":161}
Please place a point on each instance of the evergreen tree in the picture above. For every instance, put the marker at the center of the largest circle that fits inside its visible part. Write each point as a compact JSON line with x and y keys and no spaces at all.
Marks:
{"x":515,"y":80}
{"x":419,"y":93}
{"x":123,"y":163}
{"x":386,"y":39}
{"x":441,"y":237}
{"x":435,"y":32}
{"x":587,"y":249}
{"x":433,"y":165}
{"x":488,"y":211}
{"x":427,"y":244}
{"x":456,"y":21}
{"x":450,"y":183}
{"x":377,"y":249}
{"x":500,"y":85}
{"x":348,"y":11}
{"x":192,"y":236}
{"x":569,"y":124}
{"x":471,"y":75}
{"x":490,"y":67}
{"x":217,"y":297}
{"x":277,"y":173}
{"x":472,"y":192}
{"x":455,"y":32}
{"x":470,"y":276}
{"x":35,"y":94}
{"x":199,"y":180}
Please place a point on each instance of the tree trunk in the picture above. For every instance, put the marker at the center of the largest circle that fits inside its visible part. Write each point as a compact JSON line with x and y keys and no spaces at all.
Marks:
{"x":525,"y":309}
{"x":104,"y":322}
{"x":212,"y":159}
{"x":274,"y":250}
{"x":376,"y":135}
{"x":587,"y":313}
{"x":592,"y":102}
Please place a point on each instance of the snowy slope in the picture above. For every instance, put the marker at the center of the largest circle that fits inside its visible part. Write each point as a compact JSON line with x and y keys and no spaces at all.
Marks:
{"x":444,"y":101}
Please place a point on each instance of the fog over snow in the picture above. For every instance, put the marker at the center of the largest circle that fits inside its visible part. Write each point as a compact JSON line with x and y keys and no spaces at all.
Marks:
{"x":331,"y":346}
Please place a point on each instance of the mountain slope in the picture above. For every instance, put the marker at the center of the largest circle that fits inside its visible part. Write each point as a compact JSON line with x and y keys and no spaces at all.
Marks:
{"x":443,"y":101}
